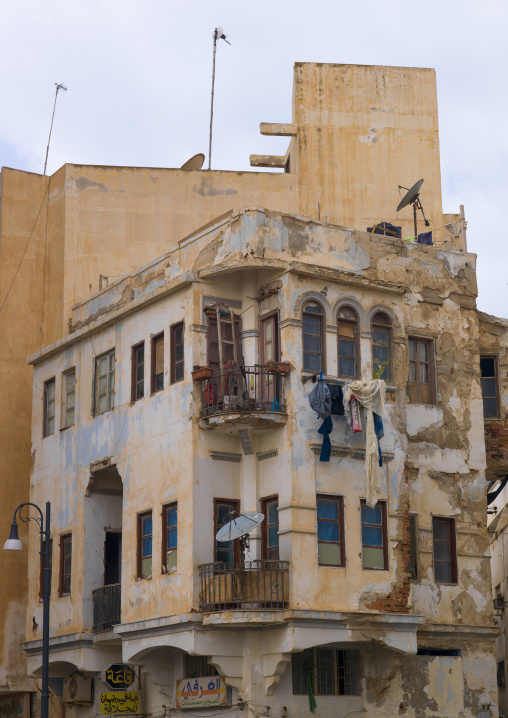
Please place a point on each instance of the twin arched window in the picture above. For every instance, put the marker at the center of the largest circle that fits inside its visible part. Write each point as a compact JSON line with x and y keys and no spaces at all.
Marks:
{"x":348,"y":342}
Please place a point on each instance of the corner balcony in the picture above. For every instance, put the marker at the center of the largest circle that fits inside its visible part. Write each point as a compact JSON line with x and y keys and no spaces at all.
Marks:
{"x":106,"y":607}
{"x":245,"y":398}
{"x":251,"y":586}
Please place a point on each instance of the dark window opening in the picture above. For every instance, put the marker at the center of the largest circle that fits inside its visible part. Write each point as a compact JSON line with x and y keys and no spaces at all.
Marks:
{"x":198,"y":667}
{"x":381,"y":346}
{"x":501,"y":675}
{"x":112,"y":558}
{"x":270,"y":529}
{"x":444,"y":550}
{"x":226,"y":551}
{"x":49,"y":408}
{"x":138,"y":371}
{"x":490,"y":391}
{"x":177,"y":353}
{"x":334,"y":672}
{"x":348,"y":342}
{"x":313,"y":337}
{"x":422,"y":387}
{"x":65,"y":564}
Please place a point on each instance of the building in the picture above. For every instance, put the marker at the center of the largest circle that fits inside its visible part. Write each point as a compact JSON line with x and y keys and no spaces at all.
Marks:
{"x":493,"y":362}
{"x":124,"y":442}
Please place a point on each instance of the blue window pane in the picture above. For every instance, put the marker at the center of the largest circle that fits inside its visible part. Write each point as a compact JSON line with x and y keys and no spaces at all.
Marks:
{"x":346,"y":348}
{"x":311,"y":325}
{"x":147,"y":546}
{"x":328,"y":531}
{"x":312,"y":362}
{"x":273,"y":539}
{"x":223,"y":514}
{"x":147,"y":526}
{"x":371,"y":515}
{"x":327,"y":509}
{"x":443,"y":572}
{"x":172,"y":516}
{"x":372,"y":536}
{"x":172,"y":538}
{"x":273,"y":514}
{"x":380,"y":354}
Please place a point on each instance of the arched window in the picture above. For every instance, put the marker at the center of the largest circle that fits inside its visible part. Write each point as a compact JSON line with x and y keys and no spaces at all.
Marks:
{"x":381,"y":346}
{"x":348,"y":342}
{"x":313,"y":337}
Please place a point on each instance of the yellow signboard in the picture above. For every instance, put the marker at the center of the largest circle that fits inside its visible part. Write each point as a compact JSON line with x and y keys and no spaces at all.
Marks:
{"x":205,"y":692}
{"x":120,"y":703}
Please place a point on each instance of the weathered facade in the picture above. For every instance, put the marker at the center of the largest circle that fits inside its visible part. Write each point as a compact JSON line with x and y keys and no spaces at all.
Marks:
{"x":383,"y":617}
{"x":494,"y":371}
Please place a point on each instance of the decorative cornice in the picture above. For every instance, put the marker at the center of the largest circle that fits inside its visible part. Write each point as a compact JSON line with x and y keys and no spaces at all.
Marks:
{"x":225,"y":456}
{"x":290,"y":323}
{"x":262,"y":455}
{"x":249,"y":333}
{"x":199,"y":328}
{"x":348,"y":451}
{"x":58,"y":643}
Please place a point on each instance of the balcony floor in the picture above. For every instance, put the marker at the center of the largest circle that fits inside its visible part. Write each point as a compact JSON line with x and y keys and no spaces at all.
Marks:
{"x":231,"y":422}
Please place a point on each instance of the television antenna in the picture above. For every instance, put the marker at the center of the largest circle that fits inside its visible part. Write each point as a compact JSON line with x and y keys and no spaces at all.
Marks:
{"x":218,"y":34}
{"x":240,"y":528}
{"x":412,"y":196}
{"x":59,"y":86}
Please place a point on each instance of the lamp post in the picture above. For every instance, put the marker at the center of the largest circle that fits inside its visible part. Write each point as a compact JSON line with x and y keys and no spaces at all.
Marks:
{"x":14,"y":544}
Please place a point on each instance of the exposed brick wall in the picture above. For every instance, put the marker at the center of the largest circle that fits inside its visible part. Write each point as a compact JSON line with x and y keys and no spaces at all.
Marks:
{"x":397,"y":600}
{"x":496,"y":439}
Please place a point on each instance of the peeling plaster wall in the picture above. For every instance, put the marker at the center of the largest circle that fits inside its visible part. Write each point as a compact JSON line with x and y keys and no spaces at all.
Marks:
{"x":436,"y":455}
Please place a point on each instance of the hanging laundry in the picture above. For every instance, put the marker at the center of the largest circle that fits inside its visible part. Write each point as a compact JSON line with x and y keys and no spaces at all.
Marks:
{"x":370,"y":394}
{"x":378,"y":428}
{"x":320,"y":399}
{"x":425,"y":238}
{"x":336,"y":396}
{"x":356,"y":419}
{"x":325,"y":429}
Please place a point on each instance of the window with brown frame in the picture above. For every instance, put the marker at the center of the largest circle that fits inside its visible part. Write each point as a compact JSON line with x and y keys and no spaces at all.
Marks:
{"x":348,"y":342}
{"x":138,"y":371}
{"x":230,"y":343}
{"x":374,"y":536}
{"x":169,"y":536}
{"x":49,"y":408}
{"x":270,"y":529}
{"x":313,"y":331}
{"x":68,"y":398}
{"x":145,"y":545}
{"x":382,"y":346}
{"x":330,"y":530}
{"x":490,"y":386}
{"x":104,"y":382}
{"x":224,"y":511}
{"x":444,"y":550}
{"x":42,"y":566}
{"x":157,"y":364}
{"x":422,"y":383}
{"x":177,"y":353}
{"x":65,"y":564}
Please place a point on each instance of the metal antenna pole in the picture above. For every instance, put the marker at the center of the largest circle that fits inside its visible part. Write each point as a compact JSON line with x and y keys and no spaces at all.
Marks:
{"x":211,"y":109}
{"x":58,"y":87}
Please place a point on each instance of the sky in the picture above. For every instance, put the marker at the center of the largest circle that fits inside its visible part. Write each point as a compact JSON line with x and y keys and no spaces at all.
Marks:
{"x":139,"y":79}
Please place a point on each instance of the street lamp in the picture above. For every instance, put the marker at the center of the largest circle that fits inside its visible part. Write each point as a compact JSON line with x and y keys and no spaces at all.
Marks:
{"x":14,"y":544}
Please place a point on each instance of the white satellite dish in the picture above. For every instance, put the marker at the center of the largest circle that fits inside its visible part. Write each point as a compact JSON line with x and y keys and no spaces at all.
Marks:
{"x":241,"y":526}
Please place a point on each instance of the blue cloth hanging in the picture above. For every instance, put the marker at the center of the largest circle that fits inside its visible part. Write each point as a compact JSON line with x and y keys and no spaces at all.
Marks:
{"x":425,"y":238}
{"x":378,"y":428}
{"x":326,"y":448}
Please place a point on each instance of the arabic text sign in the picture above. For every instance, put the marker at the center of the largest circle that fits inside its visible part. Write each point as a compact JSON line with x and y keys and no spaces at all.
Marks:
{"x":120,"y":703}
{"x":119,"y":676}
{"x":12,"y":706}
{"x":201,"y":692}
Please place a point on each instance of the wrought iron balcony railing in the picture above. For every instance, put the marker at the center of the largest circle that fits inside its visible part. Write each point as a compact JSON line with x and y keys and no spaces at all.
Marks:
{"x":250,"y":586}
{"x":242,"y":390}
{"x":106,"y":607}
